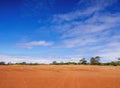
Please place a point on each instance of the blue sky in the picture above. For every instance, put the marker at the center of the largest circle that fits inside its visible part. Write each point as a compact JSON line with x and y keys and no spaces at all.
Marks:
{"x":61,"y":30}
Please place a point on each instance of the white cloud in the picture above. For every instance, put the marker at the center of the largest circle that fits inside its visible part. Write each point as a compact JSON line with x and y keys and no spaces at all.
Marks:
{"x":33,"y":59}
{"x":110,"y":56}
{"x":75,"y":42}
{"x":92,"y":27}
{"x":109,"y":51}
{"x":17,"y":58}
{"x":94,"y":7}
{"x":71,"y":16}
{"x":32,"y":44}
{"x":96,"y":28}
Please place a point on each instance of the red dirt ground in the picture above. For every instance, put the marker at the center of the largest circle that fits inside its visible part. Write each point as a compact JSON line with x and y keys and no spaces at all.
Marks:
{"x":66,"y":76}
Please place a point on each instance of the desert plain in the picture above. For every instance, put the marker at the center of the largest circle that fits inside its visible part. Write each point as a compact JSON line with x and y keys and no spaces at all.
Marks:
{"x":59,"y":76}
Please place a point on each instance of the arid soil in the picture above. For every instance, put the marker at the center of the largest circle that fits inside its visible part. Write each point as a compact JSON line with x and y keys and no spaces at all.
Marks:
{"x":60,"y":76}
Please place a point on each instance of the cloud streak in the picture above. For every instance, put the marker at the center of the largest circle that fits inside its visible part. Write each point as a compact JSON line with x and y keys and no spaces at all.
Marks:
{"x":32,"y":44}
{"x":92,"y":26}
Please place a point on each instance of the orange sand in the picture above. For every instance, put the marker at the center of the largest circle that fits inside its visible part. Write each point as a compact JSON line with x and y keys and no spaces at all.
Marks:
{"x":60,"y":76}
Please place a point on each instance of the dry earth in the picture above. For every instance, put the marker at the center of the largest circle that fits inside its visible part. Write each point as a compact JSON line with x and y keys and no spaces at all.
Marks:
{"x":64,"y":76}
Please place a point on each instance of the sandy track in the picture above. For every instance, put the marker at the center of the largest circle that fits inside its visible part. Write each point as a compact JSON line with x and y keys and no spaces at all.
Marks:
{"x":46,"y":76}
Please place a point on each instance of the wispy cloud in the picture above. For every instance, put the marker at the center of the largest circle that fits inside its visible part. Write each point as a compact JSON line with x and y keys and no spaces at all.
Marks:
{"x":93,"y":27}
{"x":32,"y":44}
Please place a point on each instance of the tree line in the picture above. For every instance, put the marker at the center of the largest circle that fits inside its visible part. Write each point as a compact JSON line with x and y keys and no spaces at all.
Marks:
{"x":93,"y":61}
{"x":83,"y":61}
{"x":20,"y":63}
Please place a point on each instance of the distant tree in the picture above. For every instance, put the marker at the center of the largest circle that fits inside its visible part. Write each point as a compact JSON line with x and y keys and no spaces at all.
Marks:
{"x":9,"y":63}
{"x":32,"y":63}
{"x":119,"y":58}
{"x":113,"y":63}
{"x":23,"y":63}
{"x":2,"y":63}
{"x":71,"y":63}
{"x":61,"y":63}
{"x":95,"y":60}
{"x":83,"y":61}
{"x":54,"y":62}
{"x":118,"y":61}
{"x":92,"y":61}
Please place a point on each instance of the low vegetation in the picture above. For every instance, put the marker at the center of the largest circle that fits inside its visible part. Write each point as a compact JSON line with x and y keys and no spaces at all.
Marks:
{"x":83,"y":61}
{"x":93,"y":61}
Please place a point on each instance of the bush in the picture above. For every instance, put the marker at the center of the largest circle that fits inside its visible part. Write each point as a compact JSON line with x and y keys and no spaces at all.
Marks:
{"x":2,"y":63}
{"x":71,"y":63}
{"x":54,"y":62}
{"x":111,"y":63}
